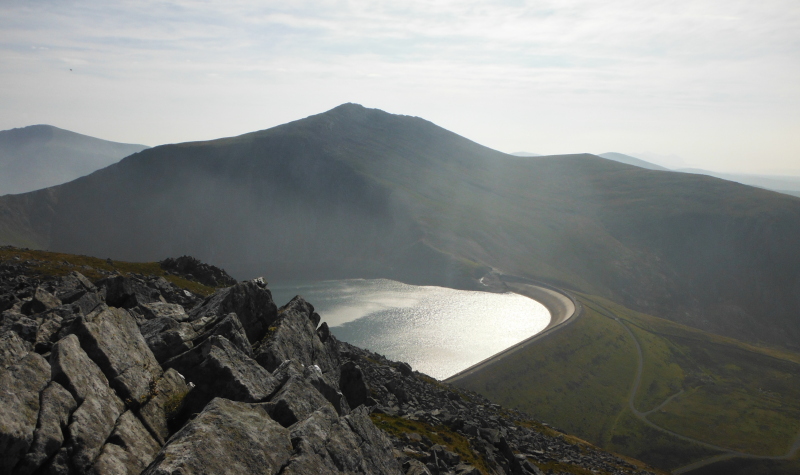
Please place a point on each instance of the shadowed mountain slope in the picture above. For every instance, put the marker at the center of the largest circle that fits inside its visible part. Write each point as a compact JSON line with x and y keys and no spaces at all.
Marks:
{"x":628,"y":160}
{"x":357,"y":192}
{"x":39,"y":156}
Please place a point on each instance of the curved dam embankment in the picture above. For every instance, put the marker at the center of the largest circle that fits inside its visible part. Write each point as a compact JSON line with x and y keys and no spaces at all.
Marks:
{"x":563,"y":309}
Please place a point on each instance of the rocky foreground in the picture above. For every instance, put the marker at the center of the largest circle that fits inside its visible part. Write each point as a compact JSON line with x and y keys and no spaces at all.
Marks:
{"x":131,"y":374}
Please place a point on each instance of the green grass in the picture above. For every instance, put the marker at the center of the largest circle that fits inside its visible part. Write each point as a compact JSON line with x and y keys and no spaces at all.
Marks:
{"x":632,"y":437}
{"x":735,"y":395}
{"x":441,"y":435}
{"x":55,"y":264}
{"x":558,"y":377}
{"x":740,"y":466}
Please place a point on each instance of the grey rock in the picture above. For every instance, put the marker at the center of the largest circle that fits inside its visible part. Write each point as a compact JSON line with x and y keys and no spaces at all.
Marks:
{"x":531,"y":468}
{"x":128,"y":292}
{"x":202,"y":272}
{"x":99,"y":407}
{"x":287,"y":370}
{"x":405,"y":369}
{"x":51,"y":323}
{"x":353,"y":384}
{"x":330,"y":444}
{"x":88,"y":303}
{"x":56,"y":406}
{"x":162,"y":309}
{"x":90,"y":426}
{"x":295,"y":401}
{"x":441,"y":453}
{"x":112,"y":339}
{"x":20,"y":385}
{"x":325,"y":443}
{"x":323,"y":332}
{"x":227,"y":437}
{"x":20,"y":324}
{"x":129,"y":449}
{"x":219,"y":369}
{"x":58,"y":465}
{"x":415,"y":467}
{"x":295,"y":337}
{"x":167,"y":338}
{"x":7,"y":300}
{"x":466,"y":469}
{"x":396,"y":387}
{"x":376,"y":453}
{"x":73,"y":286}
{"x":170,"y":392}
{"x":41,"y":300}
{"x":250,"y":302}
{"x":231,"y":329}
{"x":12,"y":349}
{"x":313,"y":375}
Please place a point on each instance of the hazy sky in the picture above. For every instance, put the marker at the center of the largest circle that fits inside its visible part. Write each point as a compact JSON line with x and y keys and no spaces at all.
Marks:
{"x":714,"y":83}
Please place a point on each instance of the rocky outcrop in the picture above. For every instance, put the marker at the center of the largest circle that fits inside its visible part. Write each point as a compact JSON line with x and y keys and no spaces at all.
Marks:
{"x":295,"y":337}
{"x":21,"y":384}
{"x":194,"y":269}
{"x":227,"y":437}
{"x":120,"y":377}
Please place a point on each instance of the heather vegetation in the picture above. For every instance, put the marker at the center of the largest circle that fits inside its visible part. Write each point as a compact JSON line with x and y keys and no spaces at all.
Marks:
{"x":718,"y":394}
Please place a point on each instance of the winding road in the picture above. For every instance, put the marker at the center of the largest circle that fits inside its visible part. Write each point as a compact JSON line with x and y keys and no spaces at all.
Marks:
{"x":726,"y":452}
{"x":564,"y":308}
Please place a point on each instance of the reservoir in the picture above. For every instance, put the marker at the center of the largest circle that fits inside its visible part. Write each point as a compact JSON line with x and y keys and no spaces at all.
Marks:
{"x":438,"y":331}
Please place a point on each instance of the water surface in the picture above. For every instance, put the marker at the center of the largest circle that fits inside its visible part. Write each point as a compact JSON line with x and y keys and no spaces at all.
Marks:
{"x":438,"y":331}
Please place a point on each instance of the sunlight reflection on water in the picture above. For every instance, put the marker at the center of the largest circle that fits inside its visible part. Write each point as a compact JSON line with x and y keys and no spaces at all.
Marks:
{"x":438,"y":331}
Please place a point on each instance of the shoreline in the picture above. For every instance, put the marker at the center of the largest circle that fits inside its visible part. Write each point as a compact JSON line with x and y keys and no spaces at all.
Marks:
{"x":562,"y":306}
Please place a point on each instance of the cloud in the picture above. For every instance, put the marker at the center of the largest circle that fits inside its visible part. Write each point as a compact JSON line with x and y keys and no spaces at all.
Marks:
{"x":574,"y":56}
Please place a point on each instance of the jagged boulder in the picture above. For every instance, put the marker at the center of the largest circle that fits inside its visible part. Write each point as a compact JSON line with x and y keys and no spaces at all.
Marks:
{"x":50,"y":323}
{"x":227,"y":437}
{"x":219,"y":369}
{"x":251,"y":303}
{"x":167,"y":338}
{"x":128,"y":292}
{"x":170,"y":392}
{"x":56,"y":406}
{"x":164,"y":310}
{"x":295,"y":401}
{"x":325,"y":443}
{"x":294,"y":337}
{"x":40,"y":301}
{"x":21,"y":384}
{"x":98,"y":405}
{"x":353,"y":384}
{"x":12,"y":349}
{"x":72,"y":287}
{"x":112,"y":339}
{"x":192,"y":268}
{"x":314,"y":376}
{"x":129,"y":449}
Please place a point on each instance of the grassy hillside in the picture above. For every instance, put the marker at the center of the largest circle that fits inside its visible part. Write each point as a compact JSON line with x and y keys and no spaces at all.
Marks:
{"x":48,"y":264}
{"x":720,"y":394}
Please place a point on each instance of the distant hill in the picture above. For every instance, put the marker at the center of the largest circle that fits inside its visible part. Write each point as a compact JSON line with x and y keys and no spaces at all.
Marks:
{"x":39,"y":156}
{"x":789,"y":185}
{"x":627,"y":159}
{"x":782,"y":184}
{"x":525,"y":154}
{"x":356,"y":192}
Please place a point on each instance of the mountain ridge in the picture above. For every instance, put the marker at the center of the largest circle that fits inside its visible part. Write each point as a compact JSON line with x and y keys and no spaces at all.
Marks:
{"x":39,"y":156}
{"x":356,"y":192}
